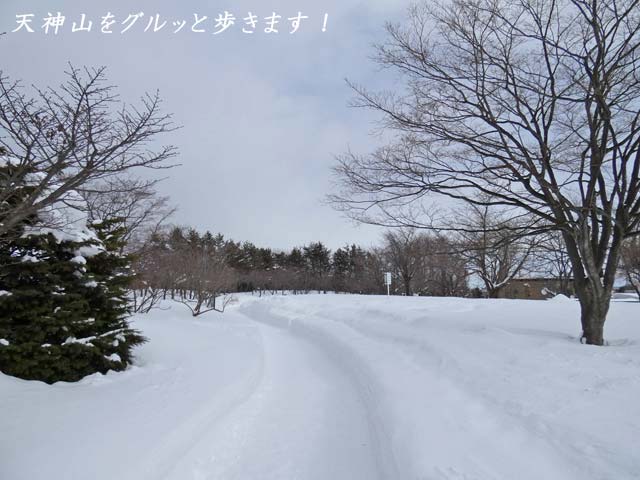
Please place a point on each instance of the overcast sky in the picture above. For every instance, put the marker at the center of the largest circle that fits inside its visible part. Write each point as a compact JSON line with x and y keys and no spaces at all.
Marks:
{"x":263,"y":114}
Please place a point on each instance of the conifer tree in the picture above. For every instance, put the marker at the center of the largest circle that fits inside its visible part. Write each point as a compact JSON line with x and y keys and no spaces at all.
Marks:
{"x":108,"y":295}
{"x":63,"y":303}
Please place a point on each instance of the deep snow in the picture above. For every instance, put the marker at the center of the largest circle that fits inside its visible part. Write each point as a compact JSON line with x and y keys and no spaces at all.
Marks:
{"x":344,"y":387}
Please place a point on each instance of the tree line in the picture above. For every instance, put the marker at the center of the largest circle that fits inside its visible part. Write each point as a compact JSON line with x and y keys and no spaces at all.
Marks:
{"x":202,"y":270}
{"x":182,"y":264}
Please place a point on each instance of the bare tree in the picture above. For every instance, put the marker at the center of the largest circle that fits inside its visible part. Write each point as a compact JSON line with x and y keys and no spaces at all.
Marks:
{"x":426,"y":264}
{"x":205,"y":281}
{"x":155,"y":274}
{"x":69,"y":138}
{"x":550,"y":259}
{"x":444,"y":271}
{"x":532,"y":106}
{"x":493,"y":253}
{"x":403,"y":252}
{"x":135,"y":202}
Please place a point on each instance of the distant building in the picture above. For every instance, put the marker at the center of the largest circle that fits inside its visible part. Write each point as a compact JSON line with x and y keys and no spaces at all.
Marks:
{"x":536,"y":288}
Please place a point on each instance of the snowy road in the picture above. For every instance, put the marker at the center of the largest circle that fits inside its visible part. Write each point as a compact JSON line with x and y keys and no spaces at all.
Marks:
{"x":219,"y":399}
{"x":408,"y":391}
{"x":461,"y":389}
{"x":303,"y":420}
{"x":343,"y":387}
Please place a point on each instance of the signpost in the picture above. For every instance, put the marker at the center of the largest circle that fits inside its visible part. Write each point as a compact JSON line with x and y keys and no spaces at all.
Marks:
{"x":387,"y":281}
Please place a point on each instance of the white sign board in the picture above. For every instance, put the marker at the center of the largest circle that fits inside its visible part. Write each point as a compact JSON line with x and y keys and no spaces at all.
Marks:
{"x":387,"y":281}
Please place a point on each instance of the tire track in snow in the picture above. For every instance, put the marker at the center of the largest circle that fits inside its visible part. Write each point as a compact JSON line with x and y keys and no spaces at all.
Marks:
{"x":545,"y":433}
{"x":358,"y":374}
{"x":303,"y":421}
{"x":471,"y":439}
{"x":293,"y":415}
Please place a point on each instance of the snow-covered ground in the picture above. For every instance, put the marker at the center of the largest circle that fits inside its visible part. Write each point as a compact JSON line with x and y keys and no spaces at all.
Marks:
{"x":344,"y":387}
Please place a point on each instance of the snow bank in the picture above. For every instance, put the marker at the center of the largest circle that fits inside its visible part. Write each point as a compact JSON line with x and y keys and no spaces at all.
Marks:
{"x":136,"y":424}
{"x":560,"y":298}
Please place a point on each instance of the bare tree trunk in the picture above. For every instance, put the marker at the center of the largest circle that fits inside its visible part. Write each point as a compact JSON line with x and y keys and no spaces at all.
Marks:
{"x":592,"y":290}
{"x":493,"y":292}
{"x":594,"y":306}
{"x":407,"y":286}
